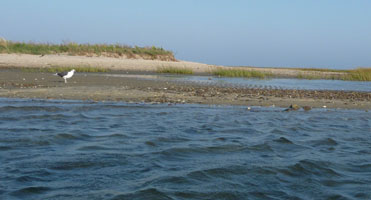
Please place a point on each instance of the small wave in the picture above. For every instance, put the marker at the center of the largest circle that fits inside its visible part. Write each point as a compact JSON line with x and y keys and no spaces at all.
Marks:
{"x":189,"y":151}
{"x":359,"y":167}
{"x":70,"y":136}
{"x":23,"y":130}
{"x":31,"y":190}
{"x":283,"y":140}
{"x":83,"y":116}
{"x":261,"y":147}
{"x":114,"y":135}
{"x":167,"y":180}
{"x":30,"y":108}
{"x":221,"y":172}
{"x":211,"y":195}
{"x":222,"y":139}
{"x":73,"y":165}
{"x":24,"y":142}
{"x":338,"y":183}
{"x":277,"y":131}
{"x":310,"y":167}
{"x":5,"y":148}
{"x":173,"y":139}
{"x":27,"y":179}
{"x":229,"y":172}
{"x":151,"y":193}
{"x":93,"y":148}
{"x":7,"y":118}
{"x":362,"y":195}
{"x":65,"y":136}
{"x":365,"y":166}
{"x":226,"y":148}
{"x":43,"y":117}
{"x":324,"y":142}
{"x":150,"y":143}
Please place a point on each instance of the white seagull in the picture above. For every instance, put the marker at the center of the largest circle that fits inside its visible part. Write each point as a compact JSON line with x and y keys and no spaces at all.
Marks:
{"x":65,"y":75}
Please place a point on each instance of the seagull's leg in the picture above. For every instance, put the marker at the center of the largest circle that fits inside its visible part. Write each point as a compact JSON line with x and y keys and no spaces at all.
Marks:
{"x":65,"y":80}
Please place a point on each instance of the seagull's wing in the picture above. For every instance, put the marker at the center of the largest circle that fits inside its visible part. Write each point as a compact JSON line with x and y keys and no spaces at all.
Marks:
{"x":61,"y":74}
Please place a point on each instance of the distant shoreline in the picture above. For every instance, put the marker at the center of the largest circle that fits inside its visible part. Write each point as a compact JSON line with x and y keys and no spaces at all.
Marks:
{"x":145,"y":65}
{"x":15,"y":83}
{"x":122,"y":57}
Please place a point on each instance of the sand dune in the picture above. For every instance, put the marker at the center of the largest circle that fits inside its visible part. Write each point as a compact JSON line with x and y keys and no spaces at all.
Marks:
{"x":27,"y":60}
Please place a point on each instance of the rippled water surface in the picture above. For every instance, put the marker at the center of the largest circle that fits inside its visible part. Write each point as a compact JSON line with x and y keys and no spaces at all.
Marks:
{"x":274,"y":83}
{"x":82,"y":150}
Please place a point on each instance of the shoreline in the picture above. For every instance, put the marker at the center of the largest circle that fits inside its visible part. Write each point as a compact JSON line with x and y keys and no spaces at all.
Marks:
{"x":15,"y":83}
{"x":138,"y":65}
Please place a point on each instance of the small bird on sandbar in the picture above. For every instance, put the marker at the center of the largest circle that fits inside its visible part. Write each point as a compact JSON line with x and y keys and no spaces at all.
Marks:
{"x":65,"y":75}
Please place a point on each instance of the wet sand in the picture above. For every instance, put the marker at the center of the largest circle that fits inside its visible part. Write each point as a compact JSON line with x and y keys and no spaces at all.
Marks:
{"x":16,"y":83}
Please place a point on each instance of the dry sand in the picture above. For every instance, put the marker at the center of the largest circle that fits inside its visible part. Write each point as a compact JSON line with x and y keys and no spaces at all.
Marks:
{"x":125,"y":64}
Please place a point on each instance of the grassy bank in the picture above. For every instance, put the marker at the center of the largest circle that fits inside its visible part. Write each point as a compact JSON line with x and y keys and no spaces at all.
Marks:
{"x":112,"y":50}
{"x":240,"y":73}
{"x":318,"y":70}
{"x":359,"y":74}
{"x":174,"y":70}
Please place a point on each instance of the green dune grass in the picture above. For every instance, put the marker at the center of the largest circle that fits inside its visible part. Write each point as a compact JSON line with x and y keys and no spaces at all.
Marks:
{"x":240,"y":73}
{"x":80,"y":49}
{"x":174,"y":70}
{"x":359,"y":74}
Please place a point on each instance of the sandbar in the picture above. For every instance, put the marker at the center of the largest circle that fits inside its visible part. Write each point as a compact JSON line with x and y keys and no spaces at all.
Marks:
{"x":16,"y":83}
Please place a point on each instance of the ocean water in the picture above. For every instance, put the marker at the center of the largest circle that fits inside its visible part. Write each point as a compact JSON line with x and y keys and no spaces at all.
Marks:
{"x":270,"y":83}
{"x":109,"y":150}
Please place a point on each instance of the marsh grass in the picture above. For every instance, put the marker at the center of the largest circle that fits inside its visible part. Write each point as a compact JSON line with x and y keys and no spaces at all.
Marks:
{"x":67,"y":68}
{"x":359,"y":74}
{"x":72,"y":48}
{"x":240,"y":73}
{"x":3,"y":43}
{"x":319,"y":76}
{"x":174,"y":70}
{"x":318,"y":70}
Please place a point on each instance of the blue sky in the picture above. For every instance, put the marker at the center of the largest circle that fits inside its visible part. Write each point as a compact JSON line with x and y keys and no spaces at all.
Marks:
{"x":266,"y":33}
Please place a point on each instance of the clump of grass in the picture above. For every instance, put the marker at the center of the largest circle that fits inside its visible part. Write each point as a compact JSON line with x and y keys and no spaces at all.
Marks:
{"x":318,"y":69}
{"x":240,"y":73}
{"x":174,"y":70}
{"x":359,"y":74}
{"x":63,"y":69}
{"x":307,"y":76}
{"x":71,"y":48}
{"x":3,"y":43}
{"x":311,"y":76}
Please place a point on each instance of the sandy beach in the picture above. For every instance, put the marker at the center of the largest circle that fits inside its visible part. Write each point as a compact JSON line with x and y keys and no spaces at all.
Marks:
{"x":125,"y":64}
{"x":16,"y":83}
